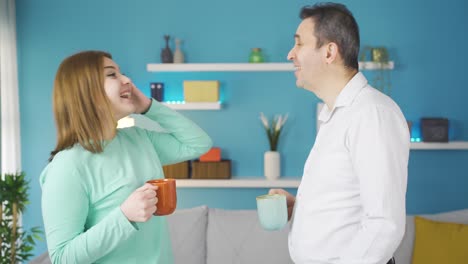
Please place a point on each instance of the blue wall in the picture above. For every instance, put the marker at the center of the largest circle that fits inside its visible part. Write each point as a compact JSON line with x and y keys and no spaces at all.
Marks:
{"x":427,"y":40}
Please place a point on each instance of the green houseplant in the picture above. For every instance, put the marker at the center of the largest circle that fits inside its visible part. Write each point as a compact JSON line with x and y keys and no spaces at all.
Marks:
{"x":271,"y":158}
{"x":380,"y":56}
{"x":273,"y":129}
{"x":16,"y":244}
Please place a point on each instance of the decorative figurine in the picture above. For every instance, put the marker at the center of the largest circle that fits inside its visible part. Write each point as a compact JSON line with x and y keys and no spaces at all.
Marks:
{"x":256,"y":56}
{"x":178,"y":55}
{"x":166,"y":53}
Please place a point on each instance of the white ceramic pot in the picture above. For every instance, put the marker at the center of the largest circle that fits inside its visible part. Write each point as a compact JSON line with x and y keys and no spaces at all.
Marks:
{"x":272,"y":165}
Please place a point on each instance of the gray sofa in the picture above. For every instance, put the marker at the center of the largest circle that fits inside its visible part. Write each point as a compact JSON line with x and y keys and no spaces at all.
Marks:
{"x":204,"y":235}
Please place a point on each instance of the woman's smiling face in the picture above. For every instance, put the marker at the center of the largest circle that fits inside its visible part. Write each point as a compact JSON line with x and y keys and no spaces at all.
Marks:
{"x":118,"y":89}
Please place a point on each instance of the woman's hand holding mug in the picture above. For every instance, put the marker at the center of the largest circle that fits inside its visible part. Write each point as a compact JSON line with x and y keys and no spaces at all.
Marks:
{"x":141,"y":204}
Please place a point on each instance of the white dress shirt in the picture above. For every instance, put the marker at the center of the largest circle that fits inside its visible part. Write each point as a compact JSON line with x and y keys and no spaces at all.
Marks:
{"x":350,"y":205}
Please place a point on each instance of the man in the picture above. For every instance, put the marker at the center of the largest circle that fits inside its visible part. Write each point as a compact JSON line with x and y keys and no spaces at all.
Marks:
{"x":350,"y":205}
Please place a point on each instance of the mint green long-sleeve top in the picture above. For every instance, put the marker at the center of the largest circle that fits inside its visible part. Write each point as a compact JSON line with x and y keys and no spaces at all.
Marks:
{"x":82,"y":193}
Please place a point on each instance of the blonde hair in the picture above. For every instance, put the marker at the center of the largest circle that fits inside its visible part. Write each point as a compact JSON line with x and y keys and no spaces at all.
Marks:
{"x":83,"y":113}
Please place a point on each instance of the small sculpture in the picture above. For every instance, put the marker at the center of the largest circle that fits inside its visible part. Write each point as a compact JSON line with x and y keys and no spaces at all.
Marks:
{"x":178,"y":55}
{"x":166,"y":53}
{"x":256,"y":56}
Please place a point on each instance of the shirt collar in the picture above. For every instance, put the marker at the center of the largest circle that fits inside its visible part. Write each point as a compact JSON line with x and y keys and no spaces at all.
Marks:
{"x":346,"y":96}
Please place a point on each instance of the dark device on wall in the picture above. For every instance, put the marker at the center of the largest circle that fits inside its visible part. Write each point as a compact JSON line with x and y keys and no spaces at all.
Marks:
{"x":434,"y":129}
{"x":157,"y":91}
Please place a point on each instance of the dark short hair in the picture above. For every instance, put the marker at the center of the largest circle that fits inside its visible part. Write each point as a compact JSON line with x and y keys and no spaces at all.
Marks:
{"x":335,"y":23}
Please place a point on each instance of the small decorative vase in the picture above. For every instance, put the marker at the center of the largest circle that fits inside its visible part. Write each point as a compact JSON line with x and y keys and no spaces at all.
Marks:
{"x":272,"y":165}
{"x":178,"y":55}
{"x":256,"y":56}
{"x":166,"y":53}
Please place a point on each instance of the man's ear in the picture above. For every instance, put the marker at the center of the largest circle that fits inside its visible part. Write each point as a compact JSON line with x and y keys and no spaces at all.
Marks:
{"x":331,"y":52}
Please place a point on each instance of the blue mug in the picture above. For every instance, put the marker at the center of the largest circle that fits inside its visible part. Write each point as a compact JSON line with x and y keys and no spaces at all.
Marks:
{"x":272,"y":211}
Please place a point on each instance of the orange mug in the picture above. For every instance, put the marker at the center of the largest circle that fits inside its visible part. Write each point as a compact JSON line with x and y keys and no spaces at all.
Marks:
{"x":166,"y":194}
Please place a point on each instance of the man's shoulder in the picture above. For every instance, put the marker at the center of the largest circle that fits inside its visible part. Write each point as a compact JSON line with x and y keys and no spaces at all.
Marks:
{"x":371,"y":98}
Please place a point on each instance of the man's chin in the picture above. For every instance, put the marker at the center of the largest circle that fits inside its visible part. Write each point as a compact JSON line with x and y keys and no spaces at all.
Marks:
{"x":300,"y":84}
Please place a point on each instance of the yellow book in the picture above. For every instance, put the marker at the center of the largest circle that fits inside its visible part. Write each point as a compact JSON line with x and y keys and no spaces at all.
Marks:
{"x":201,"y":91}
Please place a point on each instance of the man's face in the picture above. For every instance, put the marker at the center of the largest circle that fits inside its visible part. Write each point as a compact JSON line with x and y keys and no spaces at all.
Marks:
{"x":307,"y":58}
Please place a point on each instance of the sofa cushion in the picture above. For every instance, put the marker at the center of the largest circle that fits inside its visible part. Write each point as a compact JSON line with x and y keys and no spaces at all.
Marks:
{"x":188,"y":235}
{"x":42,"y":259}
{"x":404,"y":253}
{"x":236,"y":237}
{"x":440,"y":242}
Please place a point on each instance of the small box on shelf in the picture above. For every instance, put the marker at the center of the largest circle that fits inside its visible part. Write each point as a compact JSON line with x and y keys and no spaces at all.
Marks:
{"x":211,"y":170}
{"x":435,"y":129}
{"x":177,"y":171}
{"x":201,"y":91}
{"x":157,"y":91}
{"x":214,"y":154}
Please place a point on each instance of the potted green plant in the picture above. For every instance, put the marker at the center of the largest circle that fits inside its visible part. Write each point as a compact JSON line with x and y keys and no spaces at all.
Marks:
{"x":16,"y":244}
{"x":379,"y":56}
{"x":273,"y":128}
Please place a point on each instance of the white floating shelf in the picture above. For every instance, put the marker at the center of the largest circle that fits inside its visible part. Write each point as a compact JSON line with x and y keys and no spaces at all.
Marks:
{"x":453,"y":145}
{"x":213,"y":67}
{"x":194,"y":106}
{"x":370,"y":65}
{"x":238,"y":67}
{"x":238,"y":183}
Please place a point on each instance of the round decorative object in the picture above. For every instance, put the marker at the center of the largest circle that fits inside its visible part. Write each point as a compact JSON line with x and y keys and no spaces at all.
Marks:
{"x":256,"y":56}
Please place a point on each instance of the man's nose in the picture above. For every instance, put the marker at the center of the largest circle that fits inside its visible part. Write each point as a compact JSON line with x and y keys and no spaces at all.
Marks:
{"x":291,"y":55}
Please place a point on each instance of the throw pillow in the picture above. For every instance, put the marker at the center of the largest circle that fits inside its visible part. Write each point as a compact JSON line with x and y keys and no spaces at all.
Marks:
{"x":404,"y":253}
{"x":440,"y":242}
{"x":188,"y":235}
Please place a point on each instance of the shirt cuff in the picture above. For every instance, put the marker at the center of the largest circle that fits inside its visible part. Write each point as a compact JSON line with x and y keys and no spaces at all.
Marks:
{"x":153,"y":109}
{"x":123,"y":222}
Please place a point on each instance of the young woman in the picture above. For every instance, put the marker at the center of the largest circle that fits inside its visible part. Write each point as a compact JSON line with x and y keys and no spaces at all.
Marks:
{"x":95,"y":203}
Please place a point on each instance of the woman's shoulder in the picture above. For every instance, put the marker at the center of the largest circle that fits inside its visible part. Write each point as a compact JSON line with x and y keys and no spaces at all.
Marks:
{"x":142,"y":126}
{"x":74,"y":155}
{"x":129,"y":130}
{"x":135,"y":132}
{"x":65,"y":163}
